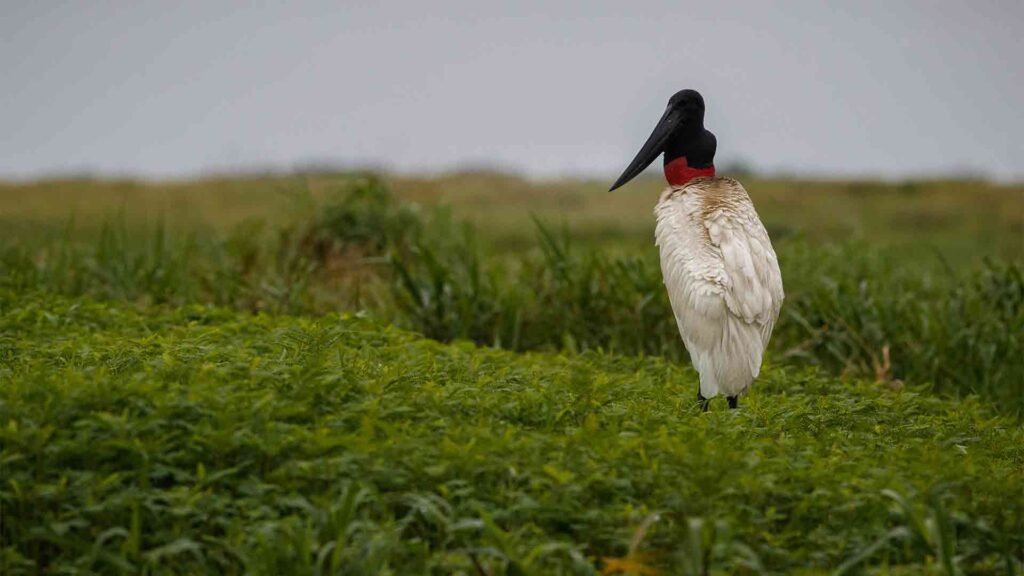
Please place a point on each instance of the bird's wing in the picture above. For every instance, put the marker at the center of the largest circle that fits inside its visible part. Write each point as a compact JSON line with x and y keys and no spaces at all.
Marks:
{"x":754,"y":284}
{"x":717,"y":259}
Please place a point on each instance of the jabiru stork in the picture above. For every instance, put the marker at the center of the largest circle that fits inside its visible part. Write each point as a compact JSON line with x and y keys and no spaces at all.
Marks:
{"x":717,"y":262}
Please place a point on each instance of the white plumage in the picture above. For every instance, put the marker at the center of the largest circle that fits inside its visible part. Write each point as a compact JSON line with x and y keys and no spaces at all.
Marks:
{"x":722,"y":278}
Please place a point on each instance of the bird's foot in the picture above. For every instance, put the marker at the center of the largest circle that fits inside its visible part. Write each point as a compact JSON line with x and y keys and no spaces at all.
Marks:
{"x":702,"y":401}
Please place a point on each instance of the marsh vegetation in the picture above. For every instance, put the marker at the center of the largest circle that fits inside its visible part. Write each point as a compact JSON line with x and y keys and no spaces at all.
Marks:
{"x":479,"y":374}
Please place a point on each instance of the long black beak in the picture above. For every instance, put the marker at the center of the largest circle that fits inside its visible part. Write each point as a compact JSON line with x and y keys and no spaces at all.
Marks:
{"x":654,"y":146}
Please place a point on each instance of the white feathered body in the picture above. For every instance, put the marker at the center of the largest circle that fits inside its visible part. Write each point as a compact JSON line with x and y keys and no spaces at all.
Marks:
{"x":722,"y":278}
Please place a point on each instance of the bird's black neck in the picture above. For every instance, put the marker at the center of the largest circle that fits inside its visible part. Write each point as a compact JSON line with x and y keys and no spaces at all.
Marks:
{"x":697,"y":146}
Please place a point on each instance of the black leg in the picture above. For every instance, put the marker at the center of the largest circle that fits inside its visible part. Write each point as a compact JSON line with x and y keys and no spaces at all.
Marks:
{"x":733,"y":402}
{"x":703,"y":401}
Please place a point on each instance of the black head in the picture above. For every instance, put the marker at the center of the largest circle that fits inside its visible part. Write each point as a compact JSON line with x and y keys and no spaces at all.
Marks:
{"x":679,"y":133}
{"x":690,"y":103}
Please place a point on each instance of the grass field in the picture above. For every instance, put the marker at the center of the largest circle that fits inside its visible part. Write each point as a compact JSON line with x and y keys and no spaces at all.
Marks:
{"x":333,"y":375}
{"x":962,"y":221}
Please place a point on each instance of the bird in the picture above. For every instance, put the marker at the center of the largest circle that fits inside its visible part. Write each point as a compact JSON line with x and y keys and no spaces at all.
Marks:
{"x":717,"y":261}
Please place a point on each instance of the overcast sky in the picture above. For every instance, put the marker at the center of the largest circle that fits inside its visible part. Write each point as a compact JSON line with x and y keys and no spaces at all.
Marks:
{"x":164,"y":88}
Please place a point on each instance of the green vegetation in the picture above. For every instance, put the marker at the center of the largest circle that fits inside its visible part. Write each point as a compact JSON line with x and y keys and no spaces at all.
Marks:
{"x":959,"y":222}
{"x":191,"y":439}
{"x":853,"y":308}
{"x":502,"y":393}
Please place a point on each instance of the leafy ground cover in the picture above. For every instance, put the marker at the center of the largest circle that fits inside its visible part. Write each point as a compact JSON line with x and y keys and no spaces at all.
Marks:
{"x":506,"y":394}
{"x":854,"y":308}
{"x":188,"y":439}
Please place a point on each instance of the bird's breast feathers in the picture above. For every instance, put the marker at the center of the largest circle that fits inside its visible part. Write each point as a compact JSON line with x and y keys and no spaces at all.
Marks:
{"x":717,"y":261}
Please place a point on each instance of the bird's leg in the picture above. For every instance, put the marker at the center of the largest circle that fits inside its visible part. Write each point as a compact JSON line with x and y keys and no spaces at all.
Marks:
{"x":702,"y":401}
{"x":733,"y":402}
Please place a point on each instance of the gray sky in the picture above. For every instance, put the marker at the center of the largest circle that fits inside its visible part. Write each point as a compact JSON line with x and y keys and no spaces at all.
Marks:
{"x":163,"y":88}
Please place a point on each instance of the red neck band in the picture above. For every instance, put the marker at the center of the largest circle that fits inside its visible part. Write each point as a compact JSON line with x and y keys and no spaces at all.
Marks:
{"x":678,"y":172}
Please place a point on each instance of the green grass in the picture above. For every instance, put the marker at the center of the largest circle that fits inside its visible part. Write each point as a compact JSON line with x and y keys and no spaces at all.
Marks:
{"x":338,"y":375}
{"x":963,"y":221}
{"x":194,"y":439}
{"x":854,"y":308}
